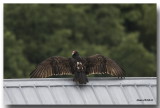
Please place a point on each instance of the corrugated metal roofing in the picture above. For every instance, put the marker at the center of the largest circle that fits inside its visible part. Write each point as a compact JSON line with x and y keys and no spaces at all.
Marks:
{"x":105,"y":91}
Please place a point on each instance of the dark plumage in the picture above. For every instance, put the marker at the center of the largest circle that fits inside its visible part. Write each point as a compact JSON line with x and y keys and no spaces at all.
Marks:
{"x":79,"y":66}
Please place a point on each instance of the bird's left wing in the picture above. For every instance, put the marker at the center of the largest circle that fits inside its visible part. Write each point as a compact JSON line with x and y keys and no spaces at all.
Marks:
{"x":52,"y":66}
{"x":98,"y":64}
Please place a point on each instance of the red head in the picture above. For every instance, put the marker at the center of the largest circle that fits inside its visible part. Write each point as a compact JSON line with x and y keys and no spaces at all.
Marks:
{"x":74,"y":52}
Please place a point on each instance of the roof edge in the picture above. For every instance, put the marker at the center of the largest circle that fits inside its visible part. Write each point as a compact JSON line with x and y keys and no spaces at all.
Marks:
{"x":90,"y":78}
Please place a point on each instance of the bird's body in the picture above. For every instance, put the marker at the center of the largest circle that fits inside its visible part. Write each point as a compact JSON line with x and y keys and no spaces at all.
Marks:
{"x":80,"y":67}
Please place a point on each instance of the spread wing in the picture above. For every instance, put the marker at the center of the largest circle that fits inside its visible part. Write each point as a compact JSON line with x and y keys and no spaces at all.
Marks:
{"x":99,"y":64}
{"x":52,"y":66}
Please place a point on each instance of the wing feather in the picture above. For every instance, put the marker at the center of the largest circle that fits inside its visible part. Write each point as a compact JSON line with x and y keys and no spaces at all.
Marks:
{"x":103,"y":65}
{"x":34,"y":74}
{"x":52,"y":66}
{"x":42,"y":71}
{"x":115,"y":68}
{"x":38,"y":71}
{"x":47,"y":71}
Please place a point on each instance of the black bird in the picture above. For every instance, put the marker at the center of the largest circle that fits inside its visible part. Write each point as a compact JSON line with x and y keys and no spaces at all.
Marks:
{"x":79,"y":66}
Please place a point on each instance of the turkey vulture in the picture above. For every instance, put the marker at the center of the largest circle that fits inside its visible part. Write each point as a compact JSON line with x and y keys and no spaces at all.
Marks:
{"x":80,"y":67}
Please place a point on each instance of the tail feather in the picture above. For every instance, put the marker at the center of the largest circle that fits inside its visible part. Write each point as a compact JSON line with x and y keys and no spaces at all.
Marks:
{"x":80,"y":77}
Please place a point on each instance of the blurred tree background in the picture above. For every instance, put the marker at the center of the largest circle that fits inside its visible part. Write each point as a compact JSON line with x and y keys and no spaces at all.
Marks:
{"x":124,"y":32}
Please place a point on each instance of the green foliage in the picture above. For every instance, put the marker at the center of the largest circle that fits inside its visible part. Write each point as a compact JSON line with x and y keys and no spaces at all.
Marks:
{"x":136,"y":59}
{"x":142,"y":19}
{"x":16,"y":65}
{"x":124,"y":32}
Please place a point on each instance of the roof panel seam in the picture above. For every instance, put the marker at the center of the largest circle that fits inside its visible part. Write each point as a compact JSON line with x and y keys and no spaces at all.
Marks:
{"x":39,"y":98}
{"x":124,"y":93}
{"x":150,"y":88}
{"x":95,"y":95}
{"x":8,"y":95}
{"x":25,"y":100}
{"x":79,"y":90}
{"x":65,"y":90}
{"x":110,"y":94}
{"x":53,"y":96}
{"x":139,"y":95}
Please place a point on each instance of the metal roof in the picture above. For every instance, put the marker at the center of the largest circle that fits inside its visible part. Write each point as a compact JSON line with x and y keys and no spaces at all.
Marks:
{"x":100,"y":90}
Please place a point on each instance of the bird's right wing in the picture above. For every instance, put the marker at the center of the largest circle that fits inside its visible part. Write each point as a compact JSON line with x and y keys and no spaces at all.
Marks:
{"x":98,"y":64}
{"x":52,"y":66}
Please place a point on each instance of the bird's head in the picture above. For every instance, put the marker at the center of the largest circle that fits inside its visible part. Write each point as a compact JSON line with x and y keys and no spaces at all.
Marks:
{"x":75,"y":53}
